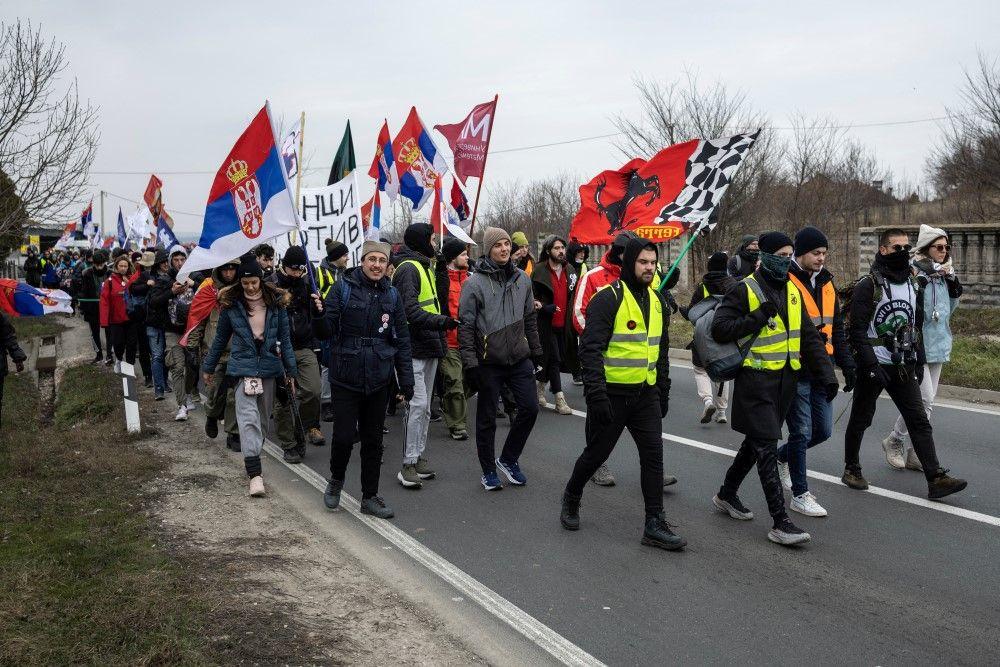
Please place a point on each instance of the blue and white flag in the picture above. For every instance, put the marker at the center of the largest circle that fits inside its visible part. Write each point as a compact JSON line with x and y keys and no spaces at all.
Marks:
{"x":165,"y":236}
{"x":122,"y":234}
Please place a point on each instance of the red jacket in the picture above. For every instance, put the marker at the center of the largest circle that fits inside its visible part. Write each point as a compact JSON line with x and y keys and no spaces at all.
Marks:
{"x":113,"y":298}
{"x":599,"y":276}
{"x":456,"y":278}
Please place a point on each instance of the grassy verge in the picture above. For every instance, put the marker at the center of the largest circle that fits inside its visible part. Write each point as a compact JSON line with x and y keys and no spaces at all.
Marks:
{"x":36,"y":327}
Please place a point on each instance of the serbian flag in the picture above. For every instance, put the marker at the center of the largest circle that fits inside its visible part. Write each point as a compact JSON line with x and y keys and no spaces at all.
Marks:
{"x":250,"y":201}
{"x":23,"y":300}
{"x":109,"y":242}
{"x":371,"y":212}
{"x":459,"y":201}
{"x":418,"y":161}
{"x":66,"y":237}
{"x":674,"y":192}
{"x":86,"y":218}
{"x":470,"y":140}
{"x":383,"y":167}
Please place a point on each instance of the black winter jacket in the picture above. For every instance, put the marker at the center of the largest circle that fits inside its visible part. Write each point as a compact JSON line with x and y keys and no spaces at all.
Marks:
{"x":301,"y":310}
{"x":10,"y":347}
{"x":157,"y":299}
{"x":541,"y":287}
{"x":426,"y":329}
{"x":90,"y":288}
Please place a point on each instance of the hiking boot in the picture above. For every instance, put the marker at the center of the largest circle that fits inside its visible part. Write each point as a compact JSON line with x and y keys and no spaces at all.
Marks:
{"x":944,"y":485}
{"x":893,"y":448}
{"x":853,"y":478}
{"x":408,"y":476}
{"x":459,"y":434}
{"x":182,"y":414}
{"x":257,"y":487}
{"x":233,"y":441}
{"x":376,"y":507}
{"x":315,"y":437}
{"x":491,"y":482}
{"x":669,"y":480}
{"x":326,"y":413}
{"x":720,"y":417}
{"x":912,"y":462}
{"x":512,"y":471}
{"x":562,"y":407}
{"x":424,"y":470}
{"x":657,"y":533}
{"x":787,"y":533}
{"x":785,"y":475}
{"x":569,"y":516}
{"x":732,"y":506}
{"x":602,"y":476}
{"x":707,"y":413}
{"x":542,"y":401}
{"x":331,"y":496}
{"x":806,"y":504}
{"x":211,"y":427}
{"x":291,"y":455}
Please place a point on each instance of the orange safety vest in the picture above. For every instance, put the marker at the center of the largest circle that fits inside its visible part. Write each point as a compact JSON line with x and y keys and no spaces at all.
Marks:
{"x":828,"y":301}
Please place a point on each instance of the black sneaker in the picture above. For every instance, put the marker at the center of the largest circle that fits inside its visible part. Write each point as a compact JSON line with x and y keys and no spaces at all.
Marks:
{"x":787,"y":533}
{"x":657,"y":533}
{"x":376,"y":507}
{"x":233,"y":441}
{"x":569,"y":517}
{"x":327,"y":413}
{"x":291,"y":456}
{"x":211,"y":427}
{"x":148,"y":383}
{"x":331,"y":497}
{"x":436,"y":415}
{"x":853,"y":478}
{"x":944,"y":485}
{"x":98,"y":358}
{"x":109,"y":360}
{"x":732,"y":506}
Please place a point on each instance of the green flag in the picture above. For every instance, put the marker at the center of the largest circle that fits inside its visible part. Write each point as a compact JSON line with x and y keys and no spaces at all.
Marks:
{"x":343,"y":162}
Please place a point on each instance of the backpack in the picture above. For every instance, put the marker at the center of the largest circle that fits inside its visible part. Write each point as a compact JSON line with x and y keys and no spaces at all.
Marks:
{"x":135,"y":306}
{"x":179,"y":307}
{"x":722,"y":361}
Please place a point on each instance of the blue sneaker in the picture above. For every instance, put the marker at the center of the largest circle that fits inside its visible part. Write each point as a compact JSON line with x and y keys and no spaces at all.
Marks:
{"x":513,"y":472}
{"x":491,"y":482}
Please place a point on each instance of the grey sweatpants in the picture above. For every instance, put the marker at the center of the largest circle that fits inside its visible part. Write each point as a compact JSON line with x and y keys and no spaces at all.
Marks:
{"x":420,"y":409}
{"x":253,"y":413}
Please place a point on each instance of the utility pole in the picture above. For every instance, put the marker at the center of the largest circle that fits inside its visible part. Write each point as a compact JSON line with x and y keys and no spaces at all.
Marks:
{"x":102,"y":215}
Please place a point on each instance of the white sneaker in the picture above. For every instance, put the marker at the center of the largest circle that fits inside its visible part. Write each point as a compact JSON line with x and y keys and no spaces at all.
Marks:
{"x":182,"y":414}
{"x":189,"y":404}
{"x":893,"y":448}
{"x":806,"y":504}
{"x":720,"y":417}
{"x":785,"y":475}
{"x":562,"y":407}
{"x":257,"y":487}
{"x":708,"y":413}
{"x":542,"y":402}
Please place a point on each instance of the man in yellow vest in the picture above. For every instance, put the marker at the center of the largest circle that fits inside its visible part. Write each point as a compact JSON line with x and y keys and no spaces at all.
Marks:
{"x":625,"y":357}
{"x":767,"y":312}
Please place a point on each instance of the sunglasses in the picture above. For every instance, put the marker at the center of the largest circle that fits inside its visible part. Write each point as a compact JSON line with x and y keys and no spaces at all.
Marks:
{"x":897,"y":247}
{"x":942,"y":247}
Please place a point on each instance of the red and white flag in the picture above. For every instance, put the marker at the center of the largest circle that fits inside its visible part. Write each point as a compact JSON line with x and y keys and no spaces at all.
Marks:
{"x":470,"y":139}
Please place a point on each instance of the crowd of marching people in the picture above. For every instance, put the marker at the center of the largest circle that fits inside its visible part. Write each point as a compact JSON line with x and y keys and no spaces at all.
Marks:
{"x":425,"y":329}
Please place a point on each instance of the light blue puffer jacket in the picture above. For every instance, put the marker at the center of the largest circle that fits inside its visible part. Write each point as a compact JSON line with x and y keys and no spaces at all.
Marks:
{"x":937,"y":331}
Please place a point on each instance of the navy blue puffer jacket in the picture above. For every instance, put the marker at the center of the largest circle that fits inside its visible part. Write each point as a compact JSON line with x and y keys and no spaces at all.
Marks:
{"x":249,"y":357}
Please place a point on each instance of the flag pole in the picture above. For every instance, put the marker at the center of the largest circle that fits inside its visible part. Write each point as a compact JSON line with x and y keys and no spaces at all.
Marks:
{"x":673,"y":267}
{"x":298,"y":178}
{"x":479,"y":188}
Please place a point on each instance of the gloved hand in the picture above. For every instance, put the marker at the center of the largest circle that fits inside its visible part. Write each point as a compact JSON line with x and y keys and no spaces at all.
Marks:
{"x":878,"y":374}
{"x":769,"y":308}
{"x":538,"y":362}
{"x":664,"y":390}
{"x":600,"y":410}
{"x":452,"y":323}
{"x":471,"y":380}
{"x":19,"y":365}
{"x":850,"y":380}
{"x":406,"y":392}
{"x":549,"y":309}
{"x":918,"y":372}
{"x":832,"y":390}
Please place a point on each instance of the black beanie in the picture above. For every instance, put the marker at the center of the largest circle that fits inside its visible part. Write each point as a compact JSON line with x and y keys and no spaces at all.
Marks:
{"x":718,"y":261}
{"x":808,"y":239}
{"x":249,"y":268}
{"x":335,"y":250}
{"x":771,"y":242}
{"x":452,"y":248}
{"x":295,"y":257}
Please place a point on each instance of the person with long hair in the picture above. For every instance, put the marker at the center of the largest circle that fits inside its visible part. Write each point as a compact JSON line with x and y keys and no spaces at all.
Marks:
{"x":114,"y":313}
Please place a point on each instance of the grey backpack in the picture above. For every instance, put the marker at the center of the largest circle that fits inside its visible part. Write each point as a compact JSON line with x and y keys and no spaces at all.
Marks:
{"x":722,"y":361}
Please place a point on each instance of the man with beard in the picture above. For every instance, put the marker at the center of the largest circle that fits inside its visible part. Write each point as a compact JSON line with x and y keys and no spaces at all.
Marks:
{"x":715,"y":283}
{"x":625,"y":355}
{"x":553,"y":283}
{"x":886,"y":315}
{"x":265,"y":258}
{"x":744,"y":261}
{"x":767,"y":310}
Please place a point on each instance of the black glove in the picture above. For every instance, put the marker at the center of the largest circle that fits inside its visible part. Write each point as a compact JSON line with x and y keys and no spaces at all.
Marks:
{"x":769,"y":308}
{"x":471,"y":380}
{"x":451,"y":323}
{"x":600,"y":411}
{"x":850,"y":380}
{"x":407,"y":392}
{"x":664,"y":389}
{"x":549,"y":309}
{"x":539,"y":362}
{"x":878,"y":374}
{"x":831,"y":391}
{"x":918,"y":372}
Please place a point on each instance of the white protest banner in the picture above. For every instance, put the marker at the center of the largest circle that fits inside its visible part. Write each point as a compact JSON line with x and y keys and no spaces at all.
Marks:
{"x":329,"y":212}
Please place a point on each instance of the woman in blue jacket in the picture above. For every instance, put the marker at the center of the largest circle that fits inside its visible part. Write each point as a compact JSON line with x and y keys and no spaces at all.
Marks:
{"x":253,"y":314}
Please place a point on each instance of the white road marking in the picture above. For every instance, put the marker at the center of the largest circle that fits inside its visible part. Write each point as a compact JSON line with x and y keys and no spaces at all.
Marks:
{"x":560,"y":648}
{"x":988,"y":519}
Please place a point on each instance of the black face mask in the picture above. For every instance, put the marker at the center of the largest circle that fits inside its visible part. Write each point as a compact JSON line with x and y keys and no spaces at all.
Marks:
{"x":897,"y":260}
{"x":775,"y":267}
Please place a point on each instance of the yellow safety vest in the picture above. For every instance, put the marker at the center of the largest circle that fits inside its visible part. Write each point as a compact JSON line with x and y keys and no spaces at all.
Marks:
{"x":775,"y":345}
{"x":325,"y":281}
{"x":633,"y":352}
{"x":428,"y":296}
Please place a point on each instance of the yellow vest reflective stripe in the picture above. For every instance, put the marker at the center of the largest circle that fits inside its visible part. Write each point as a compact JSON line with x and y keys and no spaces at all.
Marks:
{"x":633,"y":352}
{"x":428,"y":296}
{"x":776,"y":346}
{"x":324,"y":280}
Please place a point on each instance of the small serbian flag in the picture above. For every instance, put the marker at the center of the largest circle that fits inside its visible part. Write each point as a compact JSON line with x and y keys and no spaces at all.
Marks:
{"x":250,"y":201}
{"x":419,"y":163}
{"x":23,"y":300}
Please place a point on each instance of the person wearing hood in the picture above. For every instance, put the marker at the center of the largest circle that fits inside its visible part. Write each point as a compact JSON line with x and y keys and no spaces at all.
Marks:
{"x":886,"y":317}
{"x":414,"y":278}
{"x":33,"y":267}
{"x":767,"y":309}
{"x":810,"y":418}
{"x":577,"y":254}
{"x":942,"y":289}
{"x":498,"y":340}
{"x":553,"y":283}
{"x":715,"y":395}
{"x":452,"y":272}
{"x":744,"y":262}
{"x":304,"y":306}
{"x":169,"y":305}
{"x":156,"y":281}
{"x":625,"y":355}
{"x":89,"y":296}
{"x":521,"y":254}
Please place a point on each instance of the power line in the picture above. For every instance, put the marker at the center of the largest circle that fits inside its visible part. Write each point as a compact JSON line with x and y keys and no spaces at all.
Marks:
{"x":171,"y":211}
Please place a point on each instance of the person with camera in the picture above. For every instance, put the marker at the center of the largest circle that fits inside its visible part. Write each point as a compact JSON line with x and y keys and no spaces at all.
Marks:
{"x":886,"y":314}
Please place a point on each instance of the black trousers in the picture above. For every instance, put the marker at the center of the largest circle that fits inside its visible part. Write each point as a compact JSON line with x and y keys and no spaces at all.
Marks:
{"x":904,"y":390}
{"x":640,"y":414}
{"x":3,"y":376}
{"x":765,"y":454}
{"x":366,"y":413}
{"x":124,"y":340}
{"x":145,"y":357}
{"x":555,"y":359}
{"x":521,"y":378}
{"x":95,"y":332}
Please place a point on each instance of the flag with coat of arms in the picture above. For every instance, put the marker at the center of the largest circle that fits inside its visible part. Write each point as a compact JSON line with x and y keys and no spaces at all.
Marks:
{"x":418,"y":161}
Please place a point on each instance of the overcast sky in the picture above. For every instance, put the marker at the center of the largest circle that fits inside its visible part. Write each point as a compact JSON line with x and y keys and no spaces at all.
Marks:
{"x":177,"y":82}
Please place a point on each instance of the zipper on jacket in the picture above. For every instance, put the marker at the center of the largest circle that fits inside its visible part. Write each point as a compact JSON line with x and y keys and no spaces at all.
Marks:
{"x":486,"y":342}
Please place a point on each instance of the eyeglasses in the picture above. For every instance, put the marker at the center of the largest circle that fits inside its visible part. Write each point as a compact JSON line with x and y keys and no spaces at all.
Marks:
{"x":897,"y":247}
{"x":942,"y":247}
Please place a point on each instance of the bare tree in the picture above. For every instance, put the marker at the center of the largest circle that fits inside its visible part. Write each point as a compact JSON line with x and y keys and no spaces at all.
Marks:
{"x":48,"y":137}
{"x":537,"y":208}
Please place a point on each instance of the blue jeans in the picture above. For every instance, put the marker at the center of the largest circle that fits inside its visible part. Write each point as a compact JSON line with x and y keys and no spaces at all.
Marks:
{"x":810,"y":422}
{"x":157,"y":349}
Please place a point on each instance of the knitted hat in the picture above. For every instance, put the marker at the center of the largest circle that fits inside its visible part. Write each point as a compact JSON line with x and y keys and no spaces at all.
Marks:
{"x":929,"y":235}
{"x":808,"y":239}
{"x":492,"y":235}
{"x":452,"y":248}
{"x":376,"y":246}
{"x":335,"y":250}
{"x":518,"y":239}
{"x":178,"y":250}
{"x":295,"y":257}
{"x":718,"y":261}
{"x":771,"y":242}
{"x":249,"y":268}
{"x":161,"y":256}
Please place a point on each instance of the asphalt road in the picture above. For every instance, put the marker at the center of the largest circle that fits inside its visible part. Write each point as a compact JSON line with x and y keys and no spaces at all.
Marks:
{"x":883,"y":581}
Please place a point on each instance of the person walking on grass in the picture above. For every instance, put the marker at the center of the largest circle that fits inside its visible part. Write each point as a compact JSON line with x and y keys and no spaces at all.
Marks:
{"x":553,"y":283}
{"x":254,"y":318}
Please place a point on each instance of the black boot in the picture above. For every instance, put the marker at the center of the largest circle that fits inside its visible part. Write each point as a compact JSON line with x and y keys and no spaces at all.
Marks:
{"x":331,"y":497}
{"x":291,"y":455}
{"x":211,"y":427}
{"x":233,"y":441}
{"x":569,"y":517}
{"x":658,"y":534}
{"x":942,"y":484}
{"x":327,"y":413}
{"x":98,"y":358}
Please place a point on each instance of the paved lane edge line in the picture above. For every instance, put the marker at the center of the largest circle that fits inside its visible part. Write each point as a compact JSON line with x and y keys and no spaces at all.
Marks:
{"x":547,"y":639}
{"x":822,"y":476}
